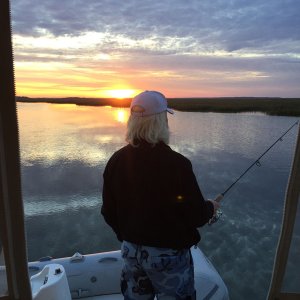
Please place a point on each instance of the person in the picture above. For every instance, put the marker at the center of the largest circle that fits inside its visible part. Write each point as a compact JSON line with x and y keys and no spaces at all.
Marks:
{"x":152,"y":201}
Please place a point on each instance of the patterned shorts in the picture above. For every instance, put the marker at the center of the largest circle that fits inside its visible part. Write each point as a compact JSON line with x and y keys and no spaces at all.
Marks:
{"x":162,"y":272}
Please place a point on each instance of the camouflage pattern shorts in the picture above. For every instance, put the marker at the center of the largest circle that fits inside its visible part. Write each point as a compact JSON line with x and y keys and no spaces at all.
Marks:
{"x":161,"y":272}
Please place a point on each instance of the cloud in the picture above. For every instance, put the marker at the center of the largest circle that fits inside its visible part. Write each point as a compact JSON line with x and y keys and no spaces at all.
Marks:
{"x":229,"y":25}
{"x":180,"y":39}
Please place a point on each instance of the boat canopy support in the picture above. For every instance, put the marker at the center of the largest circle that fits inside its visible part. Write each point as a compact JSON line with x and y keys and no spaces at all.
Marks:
{"x":12,"y":229}
{"x":287,"y":229}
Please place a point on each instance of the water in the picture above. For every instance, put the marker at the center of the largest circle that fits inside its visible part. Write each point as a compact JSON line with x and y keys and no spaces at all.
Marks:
{"x":64,"y":149}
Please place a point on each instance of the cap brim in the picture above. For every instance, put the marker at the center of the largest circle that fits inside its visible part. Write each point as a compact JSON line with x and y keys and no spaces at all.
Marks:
{"x":171,"y":111}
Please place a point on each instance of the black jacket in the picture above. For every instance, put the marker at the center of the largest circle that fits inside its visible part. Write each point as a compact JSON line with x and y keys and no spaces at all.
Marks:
{"x":151,"y":197}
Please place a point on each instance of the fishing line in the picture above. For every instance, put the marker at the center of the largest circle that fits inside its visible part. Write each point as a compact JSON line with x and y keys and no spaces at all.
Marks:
{"x":255,"y":163}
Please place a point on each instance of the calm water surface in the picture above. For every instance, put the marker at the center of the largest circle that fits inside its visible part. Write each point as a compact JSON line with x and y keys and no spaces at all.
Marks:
{"x":64,"y":149}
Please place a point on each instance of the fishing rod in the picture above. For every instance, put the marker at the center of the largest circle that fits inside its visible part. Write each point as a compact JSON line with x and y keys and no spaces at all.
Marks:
{"x":218,"y":214}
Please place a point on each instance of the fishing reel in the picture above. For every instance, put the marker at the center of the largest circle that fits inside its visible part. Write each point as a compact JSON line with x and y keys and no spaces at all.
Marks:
{"x":218,"y":212}
{"x":215,"y":217}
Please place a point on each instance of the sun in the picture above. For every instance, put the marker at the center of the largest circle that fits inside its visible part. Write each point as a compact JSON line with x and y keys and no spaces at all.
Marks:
{"x":121,"y":94}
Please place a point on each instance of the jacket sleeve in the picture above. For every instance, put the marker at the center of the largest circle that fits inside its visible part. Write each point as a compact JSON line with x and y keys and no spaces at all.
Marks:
{"x":109,"y":208}
{"x":198,"y":210}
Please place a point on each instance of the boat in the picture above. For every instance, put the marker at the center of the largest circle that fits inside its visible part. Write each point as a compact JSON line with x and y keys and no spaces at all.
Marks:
{"x":93,"y":276}
{"x":98,"y":276}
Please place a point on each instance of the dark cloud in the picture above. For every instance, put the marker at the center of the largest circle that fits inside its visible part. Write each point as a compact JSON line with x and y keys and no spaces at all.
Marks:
{"x":229,"y":25}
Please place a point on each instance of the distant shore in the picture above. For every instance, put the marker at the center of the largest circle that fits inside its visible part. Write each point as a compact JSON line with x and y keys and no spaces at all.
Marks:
{"x":270,"y":106}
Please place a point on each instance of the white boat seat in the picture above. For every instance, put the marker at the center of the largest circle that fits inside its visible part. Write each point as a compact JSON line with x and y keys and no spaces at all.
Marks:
{"x":51,"y":284}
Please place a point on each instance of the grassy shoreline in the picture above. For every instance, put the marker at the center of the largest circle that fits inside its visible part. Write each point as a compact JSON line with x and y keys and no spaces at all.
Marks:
{"x":270,"y":106}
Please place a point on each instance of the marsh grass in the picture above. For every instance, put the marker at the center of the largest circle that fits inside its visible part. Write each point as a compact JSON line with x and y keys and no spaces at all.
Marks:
{"x":270,"y":106}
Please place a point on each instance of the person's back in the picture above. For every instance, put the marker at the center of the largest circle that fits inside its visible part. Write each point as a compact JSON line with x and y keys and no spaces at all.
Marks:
{"x":152,"y":201}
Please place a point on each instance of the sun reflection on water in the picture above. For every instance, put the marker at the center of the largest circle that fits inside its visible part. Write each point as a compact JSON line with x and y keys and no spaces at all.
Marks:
{"x":70,"y":133}
{"x":121,"y":115}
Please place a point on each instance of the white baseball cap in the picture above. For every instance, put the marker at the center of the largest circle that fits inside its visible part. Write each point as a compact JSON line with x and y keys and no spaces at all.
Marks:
{"x":149,"y":103}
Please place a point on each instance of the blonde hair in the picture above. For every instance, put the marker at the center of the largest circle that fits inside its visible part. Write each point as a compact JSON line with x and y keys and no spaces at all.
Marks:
{"x":152,"y":129}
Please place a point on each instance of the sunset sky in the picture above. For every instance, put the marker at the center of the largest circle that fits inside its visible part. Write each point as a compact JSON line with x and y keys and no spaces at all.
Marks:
{"x":183,"y":48}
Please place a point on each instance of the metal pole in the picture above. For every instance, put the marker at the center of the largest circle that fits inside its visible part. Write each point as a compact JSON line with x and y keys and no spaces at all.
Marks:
{"x":12,"y":229}
{"x":289,"y":217}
